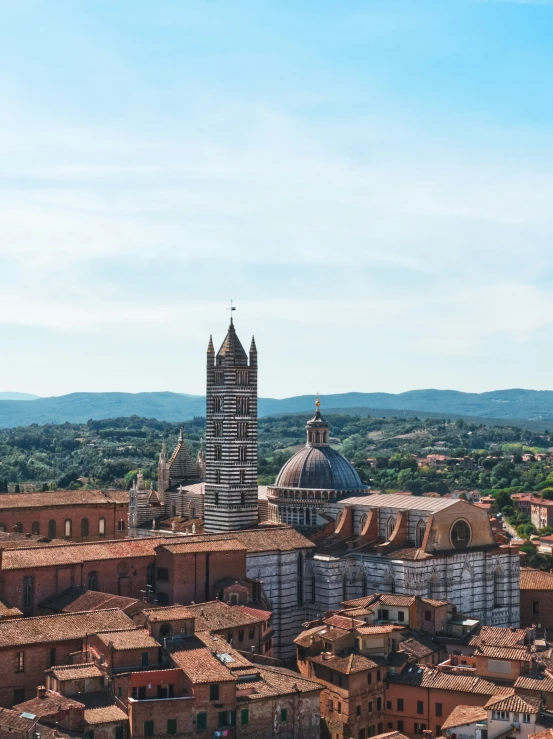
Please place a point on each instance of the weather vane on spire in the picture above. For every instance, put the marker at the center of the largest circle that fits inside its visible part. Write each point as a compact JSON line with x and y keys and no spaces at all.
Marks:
{"x":232,"y":307}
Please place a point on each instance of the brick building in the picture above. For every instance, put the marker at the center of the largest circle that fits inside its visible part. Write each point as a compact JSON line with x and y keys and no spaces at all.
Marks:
{"x":247,"y":629}
{"x":536,"y":601}
{"x":29,"y":646}
{"x":77,"y":515}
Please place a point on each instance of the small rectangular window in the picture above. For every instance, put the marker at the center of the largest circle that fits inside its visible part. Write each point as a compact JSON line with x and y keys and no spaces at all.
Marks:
{"x":214,"y":692}
{"x":370,"y":707}
{"x":428,"y":615}
{"x":163,"y":574}
{"x":201,"y":721}
{"x":400,"y":704}
{"x":400,"y":616}
{"x":148,"y":728}
{"x":284,"y":715}
{"x":420,"y":707}
{"x":119,"y":732}
{"x":439,"y":709}
{"x":400,"y":725}
{"x":241,"y":635}
{"x":145,"y":659}
{"x":244,"y":717}
{"x":379,"y":704}
{"x":388,"y":705}
{"x":20,"y":662}
{"x":52,"y":657}
{"x":358,"y":710}
{"x":171,"y":725}
{"x":252,"y":633}
{"x":330,"y":705}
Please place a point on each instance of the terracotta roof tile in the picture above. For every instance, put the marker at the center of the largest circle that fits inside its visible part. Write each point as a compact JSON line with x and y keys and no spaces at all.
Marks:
{"x":343,"y":622}
{"x":45,"y":556}
{"x":519,"y":655}
{"x":74,"y":600}
{"x":495,"y":636}
{"x":51,"y":704}
{"x":545,"y":685}
{"x":198,"y":662}
{"x":13,"y":721}
{"x":516,"y":703}
{"x":419,"y":646}
{"x":100,"y":708}
{"x":76,"y":672}
{"x":347,"y":665}
{"x":391,"y":735}
{"x":382,"y":629}
{"x":127,"y":640}
{"x":213,"y":615}
{"x":462,"y":715}
{"x":272,"y":682}
{"x":427,"y":677}
{"x":61,"y":627}
{"x":535,"y":579}
{"x":63,"y":499}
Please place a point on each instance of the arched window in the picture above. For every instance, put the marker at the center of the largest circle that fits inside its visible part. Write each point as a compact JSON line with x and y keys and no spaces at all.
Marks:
{"x":51,"y":529}
{"x":173,"y":510}
{"x":242,"y":477}
{"x":217,"y":477}
{"x":93,"y":580}
{"x":101,"y":526}
{"x":165,"y":630}
{"x":362,"y":522}
{"x":84,"y":527}
{"x":35,"y":528}
{"x":67,"y":527}
{"x":390,"y":525}
{"x":191,"y":511}
{"x":421,"y":530}
{"x":498,"y":588}
{"x":121,"y":525}
{"x":460,"y":534}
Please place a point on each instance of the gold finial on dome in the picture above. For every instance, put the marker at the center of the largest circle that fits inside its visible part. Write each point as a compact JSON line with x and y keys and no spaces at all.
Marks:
{"x":317,"y":402}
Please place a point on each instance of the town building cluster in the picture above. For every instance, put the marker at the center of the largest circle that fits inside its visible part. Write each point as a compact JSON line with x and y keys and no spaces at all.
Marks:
{"x":312,"y":607}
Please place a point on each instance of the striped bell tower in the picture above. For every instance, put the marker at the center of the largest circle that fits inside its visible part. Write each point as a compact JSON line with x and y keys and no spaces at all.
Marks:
{"x":230,"y":501}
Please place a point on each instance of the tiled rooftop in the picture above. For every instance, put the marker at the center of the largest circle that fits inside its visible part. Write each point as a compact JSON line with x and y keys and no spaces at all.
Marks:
{"x":347,"y":665}
{"x":545,"y":685}
{"x":462,"y":715}
{"x":198,"y":662}
{"x":48,"y":705}
{"x":13,"y":721}
{"x":274,"y":682}
{"x":84,"y":671}
{"x":194,"y":547}
{"x":127,"y":640}
{"x":63,"y":498}
{"x":60,"y":627}
{"x":100,"y":708}
{"x":426,"y":677}
{"x":495,"y":636}
{"x":419,"y":646}
{"x":513,"y":653}
{"x":74,"y":600}
{"x":69,"y":553}
{"x":516,"y":703}
{"x":535,"y":579}
{"x":402,"y":502}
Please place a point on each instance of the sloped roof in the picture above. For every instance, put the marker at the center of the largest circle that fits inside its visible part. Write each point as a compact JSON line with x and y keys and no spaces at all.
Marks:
{"x":545,"y":685}
{"x":231,"y":350}
{"x":181,"y":466}
{"x":426,"y":677}
{"x":516,"y":703}
{"x":462,"y":715}
{"x":402,"y":502}
{"x":535,"y":579}
{"x":347,"y":665}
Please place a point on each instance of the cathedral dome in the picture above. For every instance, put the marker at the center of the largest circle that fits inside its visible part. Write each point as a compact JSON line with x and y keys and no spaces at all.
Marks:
{"x":319,"y":468}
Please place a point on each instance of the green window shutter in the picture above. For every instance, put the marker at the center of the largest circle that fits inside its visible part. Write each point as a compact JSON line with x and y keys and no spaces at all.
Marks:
{"x":171,"y":725}
{"x":245,"y":717}
{"x":233,"y":718}
{"x":148,"y":728}
{"x":283,"y":715}
{"x":222,"y":719}
{"x":201,"y":721}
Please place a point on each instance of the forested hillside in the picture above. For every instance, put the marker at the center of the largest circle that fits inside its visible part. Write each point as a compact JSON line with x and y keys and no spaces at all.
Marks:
{"x":389,"y":453}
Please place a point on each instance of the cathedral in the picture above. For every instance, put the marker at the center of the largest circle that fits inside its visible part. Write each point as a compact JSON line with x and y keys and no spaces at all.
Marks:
{"x":347,"y":541}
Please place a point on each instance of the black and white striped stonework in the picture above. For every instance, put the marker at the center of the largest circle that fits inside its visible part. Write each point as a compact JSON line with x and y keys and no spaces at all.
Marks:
{"x":230,"y":501}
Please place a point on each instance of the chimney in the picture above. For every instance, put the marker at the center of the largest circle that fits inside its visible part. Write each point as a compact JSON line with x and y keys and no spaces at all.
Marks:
{"x":41,"y":691}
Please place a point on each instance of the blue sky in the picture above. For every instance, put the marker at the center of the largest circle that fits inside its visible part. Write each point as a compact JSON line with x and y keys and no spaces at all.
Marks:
{"x":370,"y":181}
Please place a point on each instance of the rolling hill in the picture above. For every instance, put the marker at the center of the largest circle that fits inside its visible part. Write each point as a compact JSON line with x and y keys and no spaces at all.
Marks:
{"x":536,"y":405}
